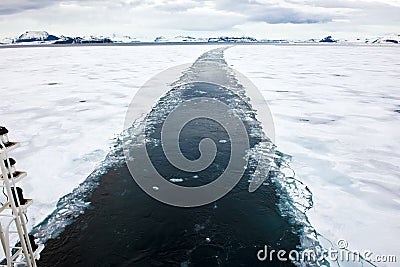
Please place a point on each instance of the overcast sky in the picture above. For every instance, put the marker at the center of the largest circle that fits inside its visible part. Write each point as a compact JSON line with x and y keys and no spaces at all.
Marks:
{"x":273,"y":19}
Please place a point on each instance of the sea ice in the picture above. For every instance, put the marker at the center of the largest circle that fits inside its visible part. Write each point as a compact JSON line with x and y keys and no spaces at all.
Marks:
{"x":335,"y":112}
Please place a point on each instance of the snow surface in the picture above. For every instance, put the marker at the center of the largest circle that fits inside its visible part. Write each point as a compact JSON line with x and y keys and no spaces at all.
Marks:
{"x":65,"y":105}
{"x":336,"y":110}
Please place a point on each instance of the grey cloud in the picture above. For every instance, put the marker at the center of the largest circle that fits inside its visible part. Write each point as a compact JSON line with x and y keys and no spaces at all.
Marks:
{"x":366,"y":12}
{"x":16,"y":6}
{"x":174,"y":6}
{"x":207,"y":22}
{"x":276,"y":15}
{"x":253,"y":10}
{"x":351,"y":4}
{"x":271,"y":12}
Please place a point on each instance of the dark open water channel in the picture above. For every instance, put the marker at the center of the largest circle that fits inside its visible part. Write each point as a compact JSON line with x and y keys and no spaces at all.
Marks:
{"x":126,"y":227}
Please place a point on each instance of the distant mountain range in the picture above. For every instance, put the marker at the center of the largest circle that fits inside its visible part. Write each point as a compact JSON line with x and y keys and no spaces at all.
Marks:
{"x":43,"y":37}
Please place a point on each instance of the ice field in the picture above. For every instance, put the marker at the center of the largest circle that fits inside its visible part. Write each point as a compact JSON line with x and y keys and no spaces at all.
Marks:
{"x":336,"y":111}
{"x":66,"y":105}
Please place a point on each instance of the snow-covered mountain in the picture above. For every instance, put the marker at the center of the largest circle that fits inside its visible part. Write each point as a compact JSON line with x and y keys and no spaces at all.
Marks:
{"x":33,"y":36}
{"x":388,"y":39}
{"x":328,"y":39}
{"x":274,"y":41}
{"x":221,"y":39}
{"x":124,"y":39}
{"x":83,"y":40}
{"x":6,"y":40}
{"x":393,"y":38}
{"x":225,"y":39}
{"x":179,"y":39}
